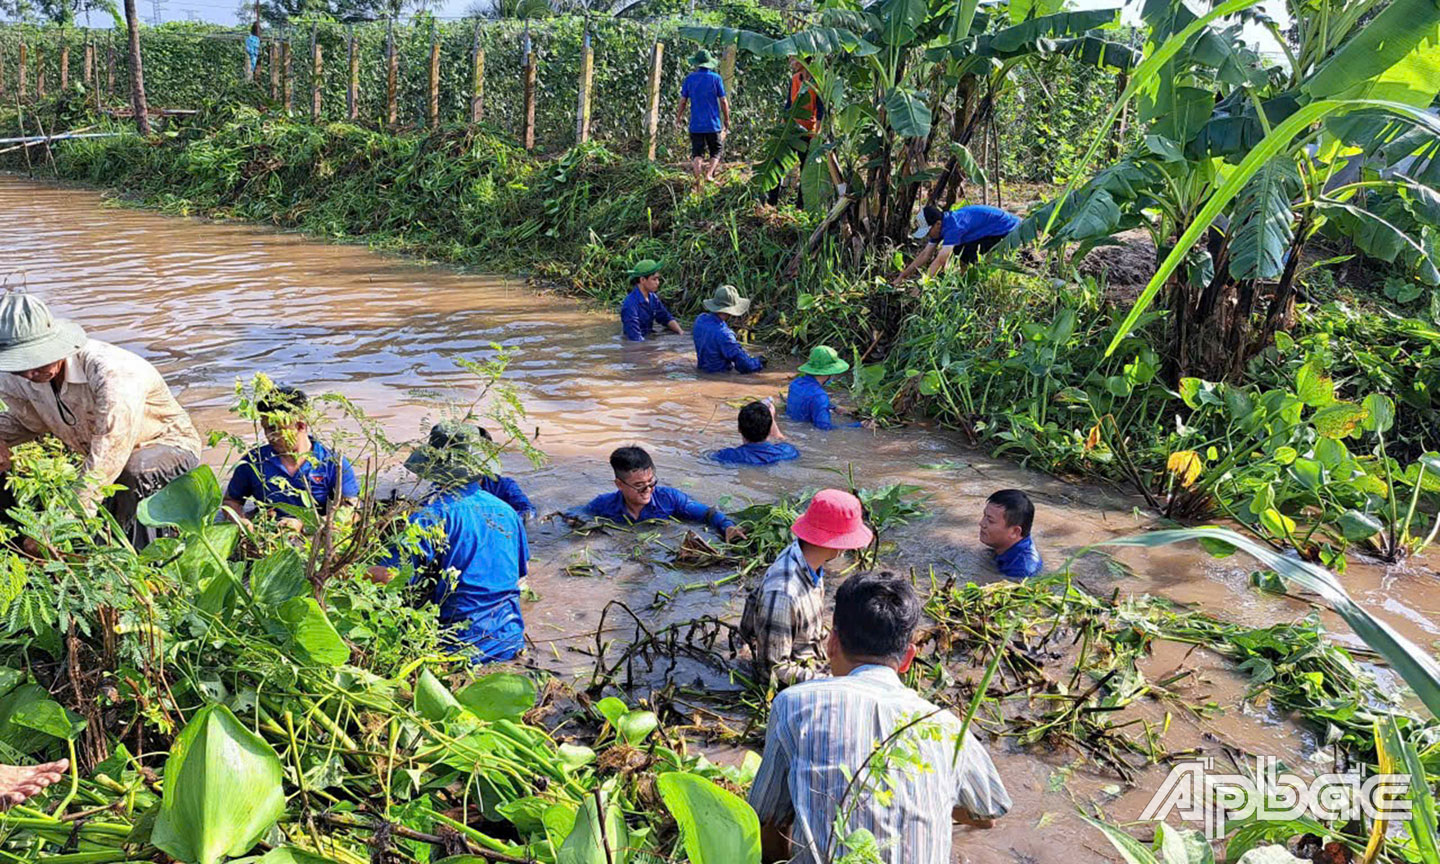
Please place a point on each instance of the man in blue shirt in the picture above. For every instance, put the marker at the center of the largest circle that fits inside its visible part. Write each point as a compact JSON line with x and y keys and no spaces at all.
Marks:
{"x":643,"y":308}
{"x":455,"y":456}
{"x":474,"y":548}
{"x":704,"y":93}
{"x":638,"y":498}
{"x":758,"y":427}
{"x":716,"y":348}
{"x":973,"y":230}
{"x":293,"y":469}
{"x":807,"y":401}
{"x":1005,"y":528}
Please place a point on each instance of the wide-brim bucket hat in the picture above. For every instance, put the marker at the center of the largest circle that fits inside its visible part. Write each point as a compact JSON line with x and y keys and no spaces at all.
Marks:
{"x":453,"y":455}
{"x":824,"y":361}
{"x":836,"y":520}
{"x":727,"y":299}
{"x":703,"y":58}
{"x":31,"y":337}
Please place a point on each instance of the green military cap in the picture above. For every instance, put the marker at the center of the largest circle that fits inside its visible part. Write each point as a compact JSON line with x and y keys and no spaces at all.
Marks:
{"x":645,"y":267}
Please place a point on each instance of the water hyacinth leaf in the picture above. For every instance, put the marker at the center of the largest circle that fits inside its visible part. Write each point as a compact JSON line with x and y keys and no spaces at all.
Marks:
{"x":558,"y":821}
{"x":526,"y":814}
{"x":1130,"y":849}
{"x":311,"y":632}
{"x":1357,"y":526}
{"x":278,"y":577}
{"x":499,"y":696}
{"x":1313,"y":386}
{"x":1380,"y":413}
{"x":50,"y":717}
{"x":636,"y":726}
{"x":188,"y":502}
{"x":1415,"y":665}
{"x":1339,"y":420}
{"x":433,"y":700}
{"x":222,"y":790}
{"x":716,"y":825}
{"x":1277,"y":523}
{"x":612,"y":709}
{"x":587,"y":844}
{"x":574,"y":756}
{"x":292,"y":855}
{"x":1182,"y":846}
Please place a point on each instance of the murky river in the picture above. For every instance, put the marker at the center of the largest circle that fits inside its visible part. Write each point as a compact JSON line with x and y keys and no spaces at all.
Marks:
{"x":210,"y":304}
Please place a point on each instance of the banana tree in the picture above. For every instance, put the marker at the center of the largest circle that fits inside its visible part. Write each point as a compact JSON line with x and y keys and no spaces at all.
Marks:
{"x":1246,"y":160}
{"x":906,"y":83}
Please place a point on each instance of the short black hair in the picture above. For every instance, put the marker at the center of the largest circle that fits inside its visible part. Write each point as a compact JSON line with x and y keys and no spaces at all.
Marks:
{"x":1019,"y":512}
{"x":630,"y":459}
{"x":933,"y":215}
{"x":282,"y":400}
{"x":484,"y":433}
{"x":875,"y":615}
{"x":755,"y":422}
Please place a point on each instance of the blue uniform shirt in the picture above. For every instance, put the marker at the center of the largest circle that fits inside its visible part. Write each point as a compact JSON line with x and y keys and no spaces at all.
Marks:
{"x":665,"y":503}
{"x":704,"y":88}
{"x":975,"y":222}
{"x":807,"y":402}
{"x":509,"y":491}
{"x":638,"y":316}
{"x":261,"y":477}
{"x":757,"y":453}
{"x":717,"y":349}
{"x":481,"y":561}
{"x":1020,"y":561}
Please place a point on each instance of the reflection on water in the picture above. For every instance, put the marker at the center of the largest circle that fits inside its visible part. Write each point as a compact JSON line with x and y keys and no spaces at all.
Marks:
{"x":210,"y":304}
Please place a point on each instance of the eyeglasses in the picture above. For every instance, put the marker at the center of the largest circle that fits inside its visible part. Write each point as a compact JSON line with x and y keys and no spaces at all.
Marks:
{"x":642,"y":488}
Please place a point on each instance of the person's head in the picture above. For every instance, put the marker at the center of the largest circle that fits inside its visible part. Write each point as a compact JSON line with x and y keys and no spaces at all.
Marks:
{"x":930,"y":223}
{"x":33,"y":343}
{"x":797,"y":66}
{"x":255,"y":29}
{"x":634,"y":475}
{"x":824,"y":363}
{"x":727,"y":302}
{"x":645,"y":275}
{"x":282,"y":417}
{"x":875,"y":619}
{"x":756,"y":422}
{"x":703,"y":59}
{"x":1007,"y":519}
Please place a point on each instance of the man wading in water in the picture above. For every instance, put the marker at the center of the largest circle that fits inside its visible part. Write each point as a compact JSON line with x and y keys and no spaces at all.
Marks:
{"x":100,"y":401}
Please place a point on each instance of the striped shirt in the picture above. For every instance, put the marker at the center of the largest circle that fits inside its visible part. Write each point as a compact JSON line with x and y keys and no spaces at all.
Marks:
{"x":822,"y":732}
{"x":783,"y":622}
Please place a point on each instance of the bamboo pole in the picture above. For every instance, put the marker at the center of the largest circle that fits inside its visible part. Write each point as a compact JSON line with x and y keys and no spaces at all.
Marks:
{"x":477,"y":79}
{"x":434,"y":113}
{"x":20,"y":87}
{"x":529,"y":130}
{"x":727,"y":70}
{"x":317,"y":73}
{"x":88,"y":64}
{"x":652,"y":110}
{"x":64,"y":63}
{"x":392,"y":68}
{"x":109,"y":66}
{"x":287,"y":79}
{"x":39,"y":72}
{"x":274,"y":69}
{"x":587,"y":77}
{"x":3,"y":91}
{"x":352,"y":91}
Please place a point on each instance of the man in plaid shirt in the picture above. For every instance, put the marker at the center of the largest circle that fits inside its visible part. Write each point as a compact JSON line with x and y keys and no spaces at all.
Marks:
{"x":783,"y":619}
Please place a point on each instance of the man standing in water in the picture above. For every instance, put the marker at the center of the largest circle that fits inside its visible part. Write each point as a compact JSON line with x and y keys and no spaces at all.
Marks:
{"x":643,"y":308}
{"x":99,"y":400}
{"x":716,"y":347}
{"x":704,"y":94}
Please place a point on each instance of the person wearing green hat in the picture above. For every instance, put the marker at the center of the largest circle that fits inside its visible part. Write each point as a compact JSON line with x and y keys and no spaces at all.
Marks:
{"x":97,"y":399}
{"x":716,"y":348}
{"x":643,"y":308}
{"x":807,"y":401}
{"x":704,"y":94}
{"x":480,"y":555}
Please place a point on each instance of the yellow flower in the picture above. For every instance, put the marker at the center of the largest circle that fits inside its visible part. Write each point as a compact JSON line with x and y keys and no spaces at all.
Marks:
{"x":1093,"y":439}
{"x":1185,"y":465}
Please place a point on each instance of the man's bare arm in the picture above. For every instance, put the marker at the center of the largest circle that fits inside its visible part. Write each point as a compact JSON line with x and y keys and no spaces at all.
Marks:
{"x":961,"y":816}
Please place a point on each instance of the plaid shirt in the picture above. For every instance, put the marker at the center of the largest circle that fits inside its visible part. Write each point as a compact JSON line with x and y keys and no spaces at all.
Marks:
{"x":821,"y":733}
{"x":783,"y":620}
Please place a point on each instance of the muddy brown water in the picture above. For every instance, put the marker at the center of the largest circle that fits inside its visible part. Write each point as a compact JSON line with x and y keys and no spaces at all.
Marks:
{"x":213,"y":303}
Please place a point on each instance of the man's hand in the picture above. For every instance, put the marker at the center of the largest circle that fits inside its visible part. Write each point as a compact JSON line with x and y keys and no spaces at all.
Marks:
{"x":734,"y":533}
{"x":290,"y":523}
{"x":4,"y":456}
{"x":380,"y":575}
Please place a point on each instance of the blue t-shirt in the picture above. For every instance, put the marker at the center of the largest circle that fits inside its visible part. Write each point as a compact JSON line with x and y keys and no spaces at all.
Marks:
{"x":252,"y":48}
{"x":261,"y":477}
{"x":1020,"y":561}
{"x":717,"y":349}
{"x":480,"y":564}
{"x":665,"y":503}
{"x":975,"y":222}
{"x":807,"y":402}
{"x":639,"y":316}
{"x":704,"y":88}
{"x":509,"y":491}
{"x":757,"y":453}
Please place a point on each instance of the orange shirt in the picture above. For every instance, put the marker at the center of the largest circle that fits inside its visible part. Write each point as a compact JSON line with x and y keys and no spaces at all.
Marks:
{"x":802,"y":92}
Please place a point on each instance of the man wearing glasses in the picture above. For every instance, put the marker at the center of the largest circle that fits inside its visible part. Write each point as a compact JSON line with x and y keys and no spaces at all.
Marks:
{"x":639,"y":498}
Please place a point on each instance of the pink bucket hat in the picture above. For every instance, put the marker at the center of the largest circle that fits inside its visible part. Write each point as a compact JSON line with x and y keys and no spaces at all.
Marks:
{"x":833,"y":520}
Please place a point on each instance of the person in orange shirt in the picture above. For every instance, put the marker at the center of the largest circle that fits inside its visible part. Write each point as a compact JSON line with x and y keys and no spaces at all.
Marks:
{"x":804,"y":106}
